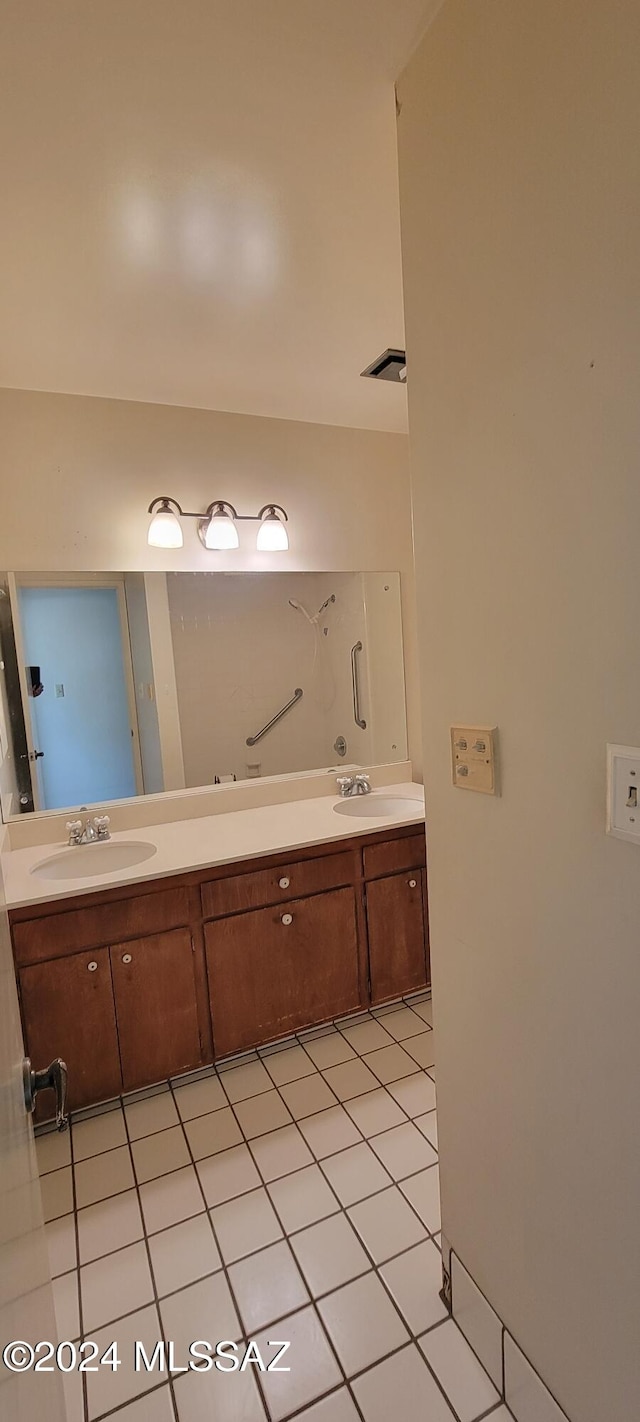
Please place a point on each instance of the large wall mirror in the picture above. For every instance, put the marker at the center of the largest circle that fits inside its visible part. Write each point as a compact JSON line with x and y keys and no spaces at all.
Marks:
{"x":117,"y":685}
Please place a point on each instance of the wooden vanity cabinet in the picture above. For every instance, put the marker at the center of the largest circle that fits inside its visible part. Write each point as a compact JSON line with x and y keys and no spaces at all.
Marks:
{"x":68,"y":1010}
{"x":398,"y":943}
{"x":275,"y":970}
{"x":134,"y":985}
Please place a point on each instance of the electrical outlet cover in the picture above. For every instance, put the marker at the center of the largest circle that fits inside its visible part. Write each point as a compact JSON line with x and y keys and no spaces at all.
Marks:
{"x":473,"y":758}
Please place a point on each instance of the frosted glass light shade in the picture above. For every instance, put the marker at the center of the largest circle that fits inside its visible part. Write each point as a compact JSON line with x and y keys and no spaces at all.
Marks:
{"x":221,"y":532}
{"x":272,"y":535}
{"x":165,"y":530}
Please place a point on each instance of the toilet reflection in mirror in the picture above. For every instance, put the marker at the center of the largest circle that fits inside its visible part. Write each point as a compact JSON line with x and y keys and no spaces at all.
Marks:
{"x":151,"y":682}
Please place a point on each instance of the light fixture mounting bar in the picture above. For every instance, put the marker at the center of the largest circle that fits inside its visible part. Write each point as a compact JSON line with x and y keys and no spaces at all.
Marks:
{"x":217,"y":505}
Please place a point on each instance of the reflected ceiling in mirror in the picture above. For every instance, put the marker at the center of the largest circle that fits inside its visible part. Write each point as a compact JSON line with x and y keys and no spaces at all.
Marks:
{"x":119,"y":685}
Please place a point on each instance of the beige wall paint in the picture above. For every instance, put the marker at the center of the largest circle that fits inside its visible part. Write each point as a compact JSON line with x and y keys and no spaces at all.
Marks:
{"x":520,"y":175}
{"x":78,"y":473}
{"x":200,"y":202}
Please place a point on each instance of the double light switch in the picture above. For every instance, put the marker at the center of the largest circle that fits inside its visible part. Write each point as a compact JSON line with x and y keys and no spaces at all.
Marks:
{"x":473,"y":758}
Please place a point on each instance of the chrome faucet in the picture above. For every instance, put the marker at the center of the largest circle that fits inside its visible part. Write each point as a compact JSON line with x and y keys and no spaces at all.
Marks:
{"x":89,"y":832}
{"x":353,"y":785}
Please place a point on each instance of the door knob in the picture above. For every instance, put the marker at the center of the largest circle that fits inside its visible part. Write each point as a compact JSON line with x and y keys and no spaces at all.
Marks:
{"x":287,"y":918}
{"x":412,"y":883}
{"x":126,"y":957}
{"x":284,"y":882}
{"x":53,"y":1078}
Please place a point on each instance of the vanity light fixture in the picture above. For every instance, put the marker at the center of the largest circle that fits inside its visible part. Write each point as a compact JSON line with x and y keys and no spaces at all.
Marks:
{"x":217,"y":529}
{"x":164,"y":530}
{"x":272,"y":534}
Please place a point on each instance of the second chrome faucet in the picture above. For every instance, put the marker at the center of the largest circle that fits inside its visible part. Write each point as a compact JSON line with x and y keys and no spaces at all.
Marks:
{"x":353,"y":785}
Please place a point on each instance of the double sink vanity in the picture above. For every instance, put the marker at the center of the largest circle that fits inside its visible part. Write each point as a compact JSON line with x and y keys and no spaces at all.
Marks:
{"x":163,"y":949}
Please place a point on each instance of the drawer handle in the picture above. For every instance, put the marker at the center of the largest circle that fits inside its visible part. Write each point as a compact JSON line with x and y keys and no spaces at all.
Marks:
{"x":126,"y":957}
{"x":91,"y":967}
{"x":413,"y":883}
{"x":284,"y":882}
{"x":287,"y":918}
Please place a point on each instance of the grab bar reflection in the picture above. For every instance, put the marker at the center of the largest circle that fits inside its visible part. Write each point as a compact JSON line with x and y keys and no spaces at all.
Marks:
{"x":297,"y":696}
{"x":355,"y":682}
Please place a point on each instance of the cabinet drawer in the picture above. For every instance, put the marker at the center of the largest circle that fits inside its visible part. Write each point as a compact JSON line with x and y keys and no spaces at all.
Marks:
{"x":274,"y":886}
{"x":61,"y":933}
{"x":393,"y":855}
{"x":278,"y":969}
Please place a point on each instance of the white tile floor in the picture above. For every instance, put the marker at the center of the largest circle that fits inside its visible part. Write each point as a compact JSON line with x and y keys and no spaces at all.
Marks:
{"x":290,"y":1195}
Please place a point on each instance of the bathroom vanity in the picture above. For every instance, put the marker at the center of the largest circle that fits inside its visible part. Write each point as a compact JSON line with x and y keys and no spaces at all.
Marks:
{"x":147,"y":979}
{"x":180,"y":941}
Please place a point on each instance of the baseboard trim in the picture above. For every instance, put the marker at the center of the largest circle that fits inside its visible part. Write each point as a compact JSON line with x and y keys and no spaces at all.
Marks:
{"x":519,"y":1384}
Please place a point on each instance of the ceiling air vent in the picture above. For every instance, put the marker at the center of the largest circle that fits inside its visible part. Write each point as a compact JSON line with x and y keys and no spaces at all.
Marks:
{"x":391,"y":365}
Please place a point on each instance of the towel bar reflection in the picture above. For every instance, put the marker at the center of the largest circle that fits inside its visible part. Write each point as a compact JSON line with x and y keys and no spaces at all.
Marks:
{"x":297,"y":696}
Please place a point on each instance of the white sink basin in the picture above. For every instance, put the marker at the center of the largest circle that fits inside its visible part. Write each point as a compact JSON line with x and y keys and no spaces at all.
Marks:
{"x":371,"y":807}
{"x":85,"y":861}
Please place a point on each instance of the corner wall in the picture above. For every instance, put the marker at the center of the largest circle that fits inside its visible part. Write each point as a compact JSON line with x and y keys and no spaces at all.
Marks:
{"x":78,"y":473}
{"x":520,"y":182}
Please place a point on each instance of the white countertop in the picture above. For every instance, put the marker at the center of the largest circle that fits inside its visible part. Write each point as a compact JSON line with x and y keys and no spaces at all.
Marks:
{"x":207,"y":842}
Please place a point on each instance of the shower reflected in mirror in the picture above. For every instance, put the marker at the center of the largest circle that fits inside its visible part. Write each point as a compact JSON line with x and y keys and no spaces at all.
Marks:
{"x":117,"y":685}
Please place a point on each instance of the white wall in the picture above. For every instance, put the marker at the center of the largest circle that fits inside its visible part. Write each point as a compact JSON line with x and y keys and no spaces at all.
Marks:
{"x":164,"y":671}
{"x":144,"y":683}
{"x":78,"y":473}
{"x":520,"y":178}
{"x":384,"y":660}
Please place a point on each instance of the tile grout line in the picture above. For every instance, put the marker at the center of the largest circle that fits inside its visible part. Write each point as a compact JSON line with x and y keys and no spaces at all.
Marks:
{"x":316,"y":1160}
{"x":85,"y":1386}
{"x":286,"y":1236}
{"x":412,"y":1336}
{"x":212,"y":1073}
{"x":363,"y":1140}
{"x":312,"y":1303}
{"x":223,"y":1262}
{"x":218,"y":1071}
{"x":151,"y":1273}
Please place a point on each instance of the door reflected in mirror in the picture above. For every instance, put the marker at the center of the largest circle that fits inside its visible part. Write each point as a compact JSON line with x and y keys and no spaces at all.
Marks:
{"x":117,"y":685}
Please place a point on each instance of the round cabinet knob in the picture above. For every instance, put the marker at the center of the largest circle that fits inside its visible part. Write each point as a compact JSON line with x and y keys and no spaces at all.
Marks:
{"x":284,"y":882}
{"x":126,"y":957}
{"x":287,"y":918}
{"x":413,"y":883}
{"x":91,"y":967}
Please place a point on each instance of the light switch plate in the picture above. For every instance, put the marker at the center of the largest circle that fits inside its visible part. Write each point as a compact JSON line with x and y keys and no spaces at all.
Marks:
{"x":473,"y":758}
{"x":623,"y":792}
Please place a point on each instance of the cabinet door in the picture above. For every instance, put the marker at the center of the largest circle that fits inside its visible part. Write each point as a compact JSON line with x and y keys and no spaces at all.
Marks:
{"x":155,"y":994}
{"x":278,"y":969}
{"x":397,"y":939}
{"x":68,"y":1012}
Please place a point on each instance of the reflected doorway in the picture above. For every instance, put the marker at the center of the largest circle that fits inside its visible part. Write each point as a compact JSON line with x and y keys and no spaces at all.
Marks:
{"x":78,"y":695}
